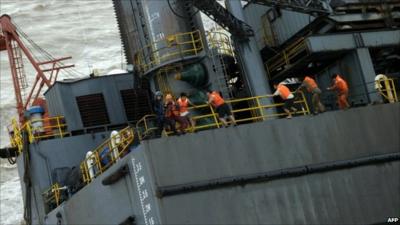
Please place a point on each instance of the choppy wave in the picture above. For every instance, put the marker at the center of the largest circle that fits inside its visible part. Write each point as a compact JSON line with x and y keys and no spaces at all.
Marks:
{"x":85,"y":30}
{"x":63,"y":28}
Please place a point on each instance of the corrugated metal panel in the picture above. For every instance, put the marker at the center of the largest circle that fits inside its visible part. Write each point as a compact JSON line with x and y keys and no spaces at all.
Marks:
{"x":61,"y":98}
{"x":283,"y":26}
{"x":290,"y":23}
{"x":253,"y":14}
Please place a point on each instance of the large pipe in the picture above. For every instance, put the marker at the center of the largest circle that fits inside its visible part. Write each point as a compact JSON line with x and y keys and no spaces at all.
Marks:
{"x":8,"y":152}
{"x":249,"y":57}
{"x":195,"y":74}
{"x":275,"y":174}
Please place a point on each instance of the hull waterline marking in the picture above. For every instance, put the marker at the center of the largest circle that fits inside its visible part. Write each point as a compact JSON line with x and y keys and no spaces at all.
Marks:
{"x":143,"y":192}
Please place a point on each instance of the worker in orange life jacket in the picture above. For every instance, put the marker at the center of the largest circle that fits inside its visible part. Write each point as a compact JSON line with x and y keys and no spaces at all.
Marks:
{"x":311,"y":86}
{"x":172,"y":115}
{"x":342,"y":89}
{"x":287,"y":97}
{"x":223,"y":110}
{"x":184,"y":103}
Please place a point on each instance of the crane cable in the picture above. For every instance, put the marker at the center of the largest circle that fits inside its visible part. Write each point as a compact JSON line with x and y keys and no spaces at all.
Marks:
{"x":85,"y":41}
{"x":43,"y":52}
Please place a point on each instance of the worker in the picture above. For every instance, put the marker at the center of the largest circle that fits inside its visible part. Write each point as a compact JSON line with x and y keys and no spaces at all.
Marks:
{"x":311,"y":86}
{"x":184,"y":103}
{"x":342,"y":89}
{"x":287,"y":97}
{"x":172,"y":115}
{"x":158,"y":107}
{"x":223,"y":110}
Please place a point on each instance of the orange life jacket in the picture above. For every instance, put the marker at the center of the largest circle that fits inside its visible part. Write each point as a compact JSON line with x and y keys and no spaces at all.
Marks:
{"x":183,"y":105}
{"x":284,"y":91}
{"x":341,"y":85}
{"x":311,"y":84}
{"x":218,"y":100}
{"x":172,"y":110}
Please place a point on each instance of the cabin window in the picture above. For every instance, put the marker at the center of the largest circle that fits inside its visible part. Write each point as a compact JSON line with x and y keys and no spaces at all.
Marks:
{"x":92,"y":109}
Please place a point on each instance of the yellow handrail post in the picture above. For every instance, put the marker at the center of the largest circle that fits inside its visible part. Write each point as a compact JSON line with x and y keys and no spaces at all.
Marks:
{"x":59,"y":126}
{"x":214,"y":115}
{"x":56,"y":191}
{"x":394,"y":90}
{"x":388,"y":90}
{"x":29,"y":132}
{"x":84,"y":172}
{"x":193,"y":43}
{"x":286,"y":58}
{"x":145,"y":125}
{"x":305,"y":103}
{"x":260,"y":107}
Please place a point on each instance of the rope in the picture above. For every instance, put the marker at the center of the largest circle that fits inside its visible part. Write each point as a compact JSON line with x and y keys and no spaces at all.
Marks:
{"x":85,"y":41}
{"x":35,"y":48}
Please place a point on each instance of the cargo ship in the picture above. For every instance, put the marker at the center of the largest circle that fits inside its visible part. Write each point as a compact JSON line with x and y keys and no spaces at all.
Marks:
{"x":88,"y":150}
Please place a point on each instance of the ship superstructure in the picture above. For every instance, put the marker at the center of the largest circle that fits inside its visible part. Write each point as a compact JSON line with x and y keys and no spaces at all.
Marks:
{"x":87,"y":154}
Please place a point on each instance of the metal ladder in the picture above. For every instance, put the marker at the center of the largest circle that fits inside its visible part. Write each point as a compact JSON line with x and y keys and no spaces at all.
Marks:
{"x":19,"y":66}
{"x":217,"y":57}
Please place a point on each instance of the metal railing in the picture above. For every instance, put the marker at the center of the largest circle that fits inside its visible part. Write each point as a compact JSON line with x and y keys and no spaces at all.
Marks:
{"x":146,"y":126}
{"x":52,"y":196}
{"x":257,"y":112}
{"x":38,"y":129}
{"x":287,"y":56}
{"x":106,"y":154}
{"x":172,"y":47}
{"x":220,"y":46}
{"x":15,"y":134}
{"x":162,"y":77}
{"x":388,"y":89}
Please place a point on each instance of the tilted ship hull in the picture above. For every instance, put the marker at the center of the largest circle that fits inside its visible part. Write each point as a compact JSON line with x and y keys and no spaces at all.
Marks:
{"x":95,"y":159}
{"x":340,"y":167}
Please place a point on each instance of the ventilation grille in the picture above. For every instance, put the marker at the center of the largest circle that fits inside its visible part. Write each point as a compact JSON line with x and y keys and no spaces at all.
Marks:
{"x":93,"y":110}
{"x":136,"y":103}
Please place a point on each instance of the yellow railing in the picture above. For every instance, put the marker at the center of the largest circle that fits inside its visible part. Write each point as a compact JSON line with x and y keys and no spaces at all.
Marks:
{"x":388,"y":89}
{"x":37,"y":130}
{"x":257,"y":112}
{"x":172,"y":47}
{"x":15,"y":135}
{"x":146,"y":126}
{"x":106,"y":154}
{"x":52,"y":196}
{"x":162,"y":77}
{"x":286,"y":57}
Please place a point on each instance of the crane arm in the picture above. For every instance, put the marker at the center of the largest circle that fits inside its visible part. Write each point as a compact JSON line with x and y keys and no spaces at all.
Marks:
{"x":224,"y":18}
{"x":242,"y":30}
{"x":11,"y":42}
{"x":313,"y":7}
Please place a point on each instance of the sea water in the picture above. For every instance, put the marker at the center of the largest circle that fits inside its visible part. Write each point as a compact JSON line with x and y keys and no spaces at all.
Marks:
{"x":84,"y":29}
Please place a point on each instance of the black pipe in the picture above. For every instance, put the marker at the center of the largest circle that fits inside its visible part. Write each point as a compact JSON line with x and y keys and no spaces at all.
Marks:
{"x":274,"y":174}
{"x":27,"y":180}
{"x":8,"y":152}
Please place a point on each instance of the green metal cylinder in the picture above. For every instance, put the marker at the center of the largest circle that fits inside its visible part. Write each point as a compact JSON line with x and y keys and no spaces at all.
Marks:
{"x":200,"y":98}
{"x":195,"y":74}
